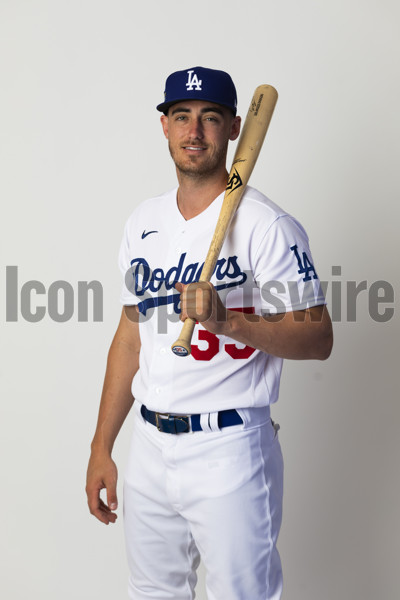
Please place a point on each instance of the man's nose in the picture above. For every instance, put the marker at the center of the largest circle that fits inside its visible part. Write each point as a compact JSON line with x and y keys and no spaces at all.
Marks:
{"x":196,"y":129}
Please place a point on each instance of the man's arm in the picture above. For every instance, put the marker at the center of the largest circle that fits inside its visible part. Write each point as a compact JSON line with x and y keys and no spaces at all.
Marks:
{"x":116,"y":402}
{"x":302,"y":334}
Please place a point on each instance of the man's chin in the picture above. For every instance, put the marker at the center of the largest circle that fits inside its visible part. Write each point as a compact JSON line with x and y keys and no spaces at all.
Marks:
{"x":197,"y":165}
{"x":194,"y":168}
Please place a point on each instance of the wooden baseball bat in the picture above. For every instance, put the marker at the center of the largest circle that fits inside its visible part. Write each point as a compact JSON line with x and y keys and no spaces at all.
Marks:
{"x":247,"y":151}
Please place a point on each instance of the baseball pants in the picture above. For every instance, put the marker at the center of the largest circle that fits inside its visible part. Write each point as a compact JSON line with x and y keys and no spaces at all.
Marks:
{"x":213,"y":494}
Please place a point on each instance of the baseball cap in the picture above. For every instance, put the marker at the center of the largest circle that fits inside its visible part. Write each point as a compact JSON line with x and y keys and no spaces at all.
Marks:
{"x":199,"y":83}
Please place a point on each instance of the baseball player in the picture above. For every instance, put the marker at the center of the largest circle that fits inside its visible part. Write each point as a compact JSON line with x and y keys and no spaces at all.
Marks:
{"x":205,"y":472}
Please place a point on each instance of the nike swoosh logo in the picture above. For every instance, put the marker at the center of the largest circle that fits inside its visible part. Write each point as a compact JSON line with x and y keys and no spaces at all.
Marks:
{"x":146,"y":233}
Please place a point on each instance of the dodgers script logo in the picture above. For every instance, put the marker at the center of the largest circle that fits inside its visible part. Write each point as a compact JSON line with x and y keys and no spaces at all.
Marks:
{"x":193,"y":81}
{"x":154,"y":284}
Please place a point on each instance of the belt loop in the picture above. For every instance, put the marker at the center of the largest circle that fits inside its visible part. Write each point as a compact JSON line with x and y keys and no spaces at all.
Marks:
{"x":204,"y":422}
{"x":243,"y":413}
{"x":214,"y":421}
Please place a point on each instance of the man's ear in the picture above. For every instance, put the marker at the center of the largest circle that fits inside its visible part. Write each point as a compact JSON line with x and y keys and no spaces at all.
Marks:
{"x":164,"y":123}
{"x":235,"y":128}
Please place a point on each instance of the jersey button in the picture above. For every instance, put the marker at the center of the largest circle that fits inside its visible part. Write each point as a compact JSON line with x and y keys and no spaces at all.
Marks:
{"x":158,"y":390}
{"x":163,"y":351}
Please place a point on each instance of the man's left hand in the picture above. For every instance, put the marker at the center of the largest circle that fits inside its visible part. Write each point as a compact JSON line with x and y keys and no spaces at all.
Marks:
{"x":201,"y":302}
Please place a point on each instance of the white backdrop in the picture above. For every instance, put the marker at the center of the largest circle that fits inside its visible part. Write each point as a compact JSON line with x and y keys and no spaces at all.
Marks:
{"x":81,"y":145}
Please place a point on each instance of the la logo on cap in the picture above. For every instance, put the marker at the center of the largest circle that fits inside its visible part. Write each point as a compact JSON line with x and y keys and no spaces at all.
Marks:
{"x":193,"y":81}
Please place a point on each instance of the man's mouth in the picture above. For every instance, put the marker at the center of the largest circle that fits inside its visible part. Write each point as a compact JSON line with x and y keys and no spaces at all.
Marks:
{"x":194,"y":148}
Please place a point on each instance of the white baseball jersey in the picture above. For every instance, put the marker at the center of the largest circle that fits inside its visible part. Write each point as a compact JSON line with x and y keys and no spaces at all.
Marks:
{"x":265,"y":266}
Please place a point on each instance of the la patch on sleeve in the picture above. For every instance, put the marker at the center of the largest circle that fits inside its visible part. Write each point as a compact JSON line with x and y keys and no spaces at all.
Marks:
{"x":305,"y":265}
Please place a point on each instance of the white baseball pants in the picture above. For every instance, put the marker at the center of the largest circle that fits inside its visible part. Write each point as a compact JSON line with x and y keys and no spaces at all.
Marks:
{"x":215,"y":494}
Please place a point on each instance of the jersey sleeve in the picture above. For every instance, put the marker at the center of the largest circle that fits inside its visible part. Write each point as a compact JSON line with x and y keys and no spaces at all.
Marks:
{"x":127,"y":296}
{"x":284,"y":269}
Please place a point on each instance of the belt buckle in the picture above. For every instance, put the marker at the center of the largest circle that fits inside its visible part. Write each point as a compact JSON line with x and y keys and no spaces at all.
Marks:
{"x":172,"y":421}
{"x":158,"y":415}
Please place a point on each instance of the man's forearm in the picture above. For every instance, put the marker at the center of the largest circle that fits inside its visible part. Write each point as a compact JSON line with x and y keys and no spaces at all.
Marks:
{"x":299,"y":334}
{"x":116,"y":399}
{"x":295,"y":335}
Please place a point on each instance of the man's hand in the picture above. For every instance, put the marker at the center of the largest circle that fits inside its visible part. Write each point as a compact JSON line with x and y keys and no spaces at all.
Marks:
{"x":102,"y":473}
{"x":201,"y":302}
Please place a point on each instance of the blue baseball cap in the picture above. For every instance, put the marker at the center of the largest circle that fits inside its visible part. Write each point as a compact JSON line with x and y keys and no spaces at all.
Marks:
{"x":199,"y":83}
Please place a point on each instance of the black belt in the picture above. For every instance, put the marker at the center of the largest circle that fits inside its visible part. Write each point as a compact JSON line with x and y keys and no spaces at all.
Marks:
{"x":181,"y":423}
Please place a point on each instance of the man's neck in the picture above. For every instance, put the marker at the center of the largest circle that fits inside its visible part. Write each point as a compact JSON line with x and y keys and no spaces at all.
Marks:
{"x":196,"y":194}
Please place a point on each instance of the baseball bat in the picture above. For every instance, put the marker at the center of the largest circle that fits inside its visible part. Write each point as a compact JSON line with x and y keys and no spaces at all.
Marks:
{"x":248,"y":148}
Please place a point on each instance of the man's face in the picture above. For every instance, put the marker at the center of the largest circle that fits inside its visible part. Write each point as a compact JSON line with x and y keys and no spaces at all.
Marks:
{"x":198,"y":133}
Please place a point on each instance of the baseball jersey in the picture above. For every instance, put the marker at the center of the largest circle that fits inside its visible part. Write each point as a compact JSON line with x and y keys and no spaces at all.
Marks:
{"x":265,"y":267}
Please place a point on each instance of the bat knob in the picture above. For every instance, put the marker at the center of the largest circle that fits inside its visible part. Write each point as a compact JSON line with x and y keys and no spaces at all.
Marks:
{"x":180,"y":348}
{"x":182,"y":345}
